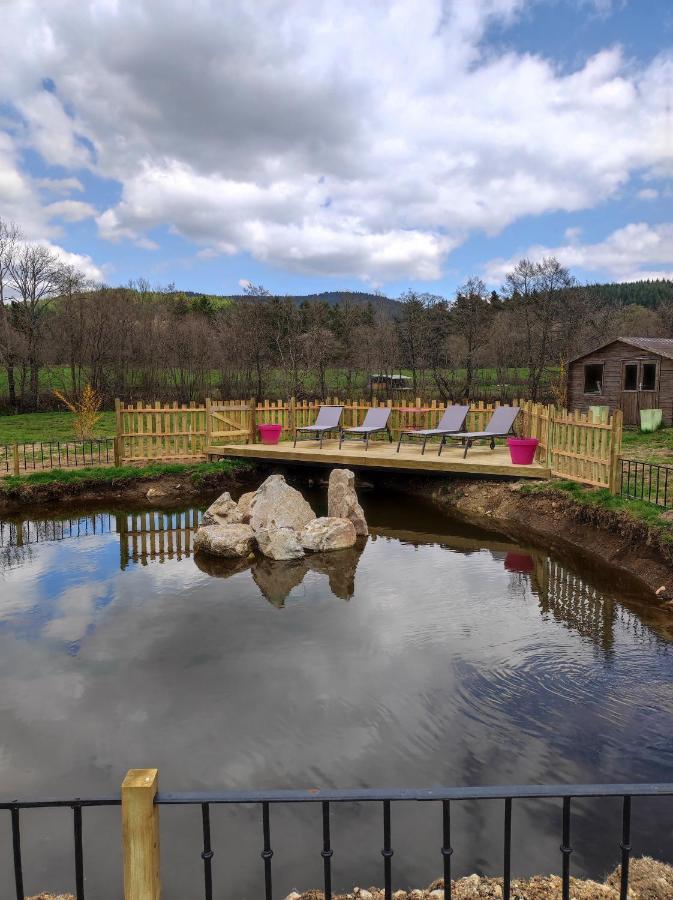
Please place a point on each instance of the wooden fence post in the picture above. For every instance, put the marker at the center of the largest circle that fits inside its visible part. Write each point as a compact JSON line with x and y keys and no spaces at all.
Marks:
{"x":208,"y":422}
{"x":119,"y":428}
{"x":140,"y":835}
{"x":253,"y":419}
{"x":117,"y":450}
{"x":615,"y":451}
{"x":291,"y":418}
{"x":551,"y":413}
{"x":17,"y":471}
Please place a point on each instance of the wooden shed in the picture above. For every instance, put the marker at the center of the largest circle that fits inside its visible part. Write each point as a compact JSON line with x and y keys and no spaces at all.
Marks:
{"x":627,"y":373}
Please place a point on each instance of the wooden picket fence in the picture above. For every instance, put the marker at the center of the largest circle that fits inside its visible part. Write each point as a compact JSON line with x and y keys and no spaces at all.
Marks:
{"x":574,"y":445}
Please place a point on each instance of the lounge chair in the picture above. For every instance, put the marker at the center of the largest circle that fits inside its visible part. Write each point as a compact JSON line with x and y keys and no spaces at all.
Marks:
{"x":329,"y":418}
{"x":499,"y":425}
{"x":451,"y":422}
{"x":375,"y":420}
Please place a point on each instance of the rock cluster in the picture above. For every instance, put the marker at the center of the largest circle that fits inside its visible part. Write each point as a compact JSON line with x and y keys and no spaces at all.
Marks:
{"x":278,"y":521}
{"x":649,"y":879}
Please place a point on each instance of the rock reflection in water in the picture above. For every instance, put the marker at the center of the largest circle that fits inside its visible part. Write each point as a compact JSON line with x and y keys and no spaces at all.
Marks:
{"x":277,"y":579}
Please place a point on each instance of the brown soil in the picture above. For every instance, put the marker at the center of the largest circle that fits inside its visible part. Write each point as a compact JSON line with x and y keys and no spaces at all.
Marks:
{"x":649,"y":880}
{"x":557,"y":522}
{"x":159,"y":490}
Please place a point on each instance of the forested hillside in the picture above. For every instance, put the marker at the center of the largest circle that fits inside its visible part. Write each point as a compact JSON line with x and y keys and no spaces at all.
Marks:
{"x":58,"y":331}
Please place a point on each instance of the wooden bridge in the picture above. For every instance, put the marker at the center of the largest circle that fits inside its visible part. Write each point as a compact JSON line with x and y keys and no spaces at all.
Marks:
{"x":576,"y":446}
{"x":481,"y":460}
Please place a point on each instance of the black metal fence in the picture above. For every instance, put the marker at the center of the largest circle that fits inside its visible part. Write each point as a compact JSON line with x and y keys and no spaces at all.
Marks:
{"x":265,"y":800}
{"x":17,"y":459}
{"x":647,"y":481}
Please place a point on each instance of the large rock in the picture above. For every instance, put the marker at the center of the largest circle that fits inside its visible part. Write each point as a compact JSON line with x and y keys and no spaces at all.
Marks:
{"x":279,"y":543}
{"x":277,"y":505}
{"x":276,"y":579}
{"x":342,"y":501}
{"x":224,"y":511}
{"x":244,"y":504}
{"x":228,"y":541}
{"x":328,"y":533}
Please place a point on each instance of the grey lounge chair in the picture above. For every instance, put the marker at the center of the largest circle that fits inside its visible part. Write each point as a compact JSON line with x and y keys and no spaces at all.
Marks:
{"x":499,"y":425}
{"x":328,"y":419}
{"x":451,"y":422}
{"x":375,"y":420}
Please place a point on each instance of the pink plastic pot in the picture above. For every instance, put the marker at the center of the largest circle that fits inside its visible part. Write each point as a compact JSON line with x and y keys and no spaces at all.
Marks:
{"x":519,"y":562}
{"x":522,"y":450}
{"x":270,"y":434}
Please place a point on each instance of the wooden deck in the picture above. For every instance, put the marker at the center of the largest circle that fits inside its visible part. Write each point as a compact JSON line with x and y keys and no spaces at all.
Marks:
{"x":481,"y":460}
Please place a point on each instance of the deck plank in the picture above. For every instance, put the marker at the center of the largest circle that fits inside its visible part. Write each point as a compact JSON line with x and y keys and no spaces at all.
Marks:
{"x":481,"y":460}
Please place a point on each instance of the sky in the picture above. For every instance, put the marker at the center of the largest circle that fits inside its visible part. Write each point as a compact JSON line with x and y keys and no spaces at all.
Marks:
{"x":314,"y":145}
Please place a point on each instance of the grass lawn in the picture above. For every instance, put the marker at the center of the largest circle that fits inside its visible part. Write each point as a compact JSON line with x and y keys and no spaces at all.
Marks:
{"x":196,"y":472}
{"x":656,"y":446}
{"x":48,"y":426}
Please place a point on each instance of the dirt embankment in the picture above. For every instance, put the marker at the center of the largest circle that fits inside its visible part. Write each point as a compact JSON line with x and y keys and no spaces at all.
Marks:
{"x":649,"y":880}
{"x":159,"y":489}
{"x":557,"y":522}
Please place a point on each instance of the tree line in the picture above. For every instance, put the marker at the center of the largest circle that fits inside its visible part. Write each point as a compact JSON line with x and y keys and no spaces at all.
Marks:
{"x":60,"y":331}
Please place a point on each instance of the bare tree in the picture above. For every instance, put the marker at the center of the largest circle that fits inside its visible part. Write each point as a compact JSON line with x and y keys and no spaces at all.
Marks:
{"x":471,"y":315}
{"x":10,"y":236}
{"x":34,"y":280}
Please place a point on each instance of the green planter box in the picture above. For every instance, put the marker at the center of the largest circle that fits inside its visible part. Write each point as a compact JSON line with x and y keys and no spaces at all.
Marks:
{"x":650,"y":419}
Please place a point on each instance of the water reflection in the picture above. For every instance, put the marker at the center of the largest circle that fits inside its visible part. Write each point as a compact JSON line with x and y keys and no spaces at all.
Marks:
{"x":433,"y":653}
{"x":147,"y":537}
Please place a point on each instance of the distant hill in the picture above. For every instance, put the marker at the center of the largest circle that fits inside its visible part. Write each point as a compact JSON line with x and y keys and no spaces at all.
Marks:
{"x":645,"y":293}
{"x":331,"y":298}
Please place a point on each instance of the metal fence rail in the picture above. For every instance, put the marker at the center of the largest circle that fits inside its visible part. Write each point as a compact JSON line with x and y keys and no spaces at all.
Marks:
{"x":647,"y":481}
{"x":445,"y":796}
{"x":38,"y":456}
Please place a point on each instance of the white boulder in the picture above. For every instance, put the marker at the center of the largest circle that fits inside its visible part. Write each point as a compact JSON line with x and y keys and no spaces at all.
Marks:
{"x":279,"y":543}
{"x":244,"y":504}
{"x":328,"y":533}
{"x":342,"y":501}
{"x":277,"y":505}
{"x":224,"y":511}
{"x":229,"y":541}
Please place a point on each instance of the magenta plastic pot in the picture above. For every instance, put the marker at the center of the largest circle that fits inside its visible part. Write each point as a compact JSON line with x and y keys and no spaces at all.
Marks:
{"x":522,"y":450}
{"x":270,"y":434}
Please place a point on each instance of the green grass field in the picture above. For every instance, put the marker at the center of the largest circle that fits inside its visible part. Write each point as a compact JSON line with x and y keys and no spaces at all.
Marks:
{"x":48,"y":426}
{"x":196,"y":472}
{"x":655,"y":447}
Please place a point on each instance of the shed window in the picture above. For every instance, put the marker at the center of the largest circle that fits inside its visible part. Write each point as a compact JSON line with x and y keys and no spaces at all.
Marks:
{"x":593,"y":378}
{"x":649,"y":377}
{"x":631,"y":377}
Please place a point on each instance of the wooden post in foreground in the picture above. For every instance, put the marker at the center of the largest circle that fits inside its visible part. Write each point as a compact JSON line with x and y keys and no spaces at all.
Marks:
{"x":140,"y":835}
{"x":17,"y":471}
{"x":615,"y":451}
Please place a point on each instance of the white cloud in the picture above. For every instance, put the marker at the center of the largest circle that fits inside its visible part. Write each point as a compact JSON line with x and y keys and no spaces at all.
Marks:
{"x":349,"y":138}
{"x":63,"y":186}
{"x":244,"y":283}
{"x":70,"y":210}
{"x":648,"y":194}
{"x":636,"y":251}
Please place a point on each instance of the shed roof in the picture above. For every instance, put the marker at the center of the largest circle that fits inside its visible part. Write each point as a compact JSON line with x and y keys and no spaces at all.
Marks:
{"x":658,"y":346}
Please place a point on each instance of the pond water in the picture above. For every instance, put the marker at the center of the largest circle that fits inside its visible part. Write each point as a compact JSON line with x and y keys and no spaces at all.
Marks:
{"x":437,"y":654}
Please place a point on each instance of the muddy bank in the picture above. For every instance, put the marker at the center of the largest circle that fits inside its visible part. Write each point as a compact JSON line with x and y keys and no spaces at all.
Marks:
{"x":557,"y":523}
{"x":153,"y":490}
{"x":648,"y":880}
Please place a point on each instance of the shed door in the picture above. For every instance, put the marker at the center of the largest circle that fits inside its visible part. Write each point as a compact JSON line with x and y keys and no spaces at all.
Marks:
{"x":640,"y":388}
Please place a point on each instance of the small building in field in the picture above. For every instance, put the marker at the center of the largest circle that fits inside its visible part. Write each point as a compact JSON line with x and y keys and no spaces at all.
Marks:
{"x":627,"y":373}
{"x":380,"y":383}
